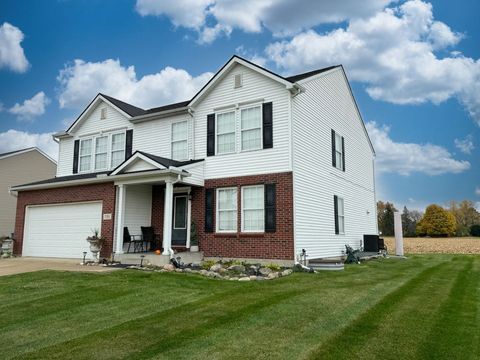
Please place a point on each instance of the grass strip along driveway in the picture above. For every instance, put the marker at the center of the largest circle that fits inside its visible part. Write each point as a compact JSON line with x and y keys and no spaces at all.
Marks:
{"x":425,"y":307}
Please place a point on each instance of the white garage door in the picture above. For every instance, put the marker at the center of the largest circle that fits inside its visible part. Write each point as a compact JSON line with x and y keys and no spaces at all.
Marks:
{"x":60,"y":230}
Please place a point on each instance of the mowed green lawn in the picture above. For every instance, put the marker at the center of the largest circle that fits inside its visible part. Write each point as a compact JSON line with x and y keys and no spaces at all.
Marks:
{"x":425,"y":307}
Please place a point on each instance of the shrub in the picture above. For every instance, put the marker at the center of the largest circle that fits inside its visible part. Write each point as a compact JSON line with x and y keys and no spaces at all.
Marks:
{"x":273,"y":267}
{"x":208,"y":264}
{"x":475,"y":230}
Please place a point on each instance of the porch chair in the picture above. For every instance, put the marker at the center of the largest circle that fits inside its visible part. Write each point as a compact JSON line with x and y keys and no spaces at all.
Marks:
{"x":149,"y":237}
{"x":137,"y":240}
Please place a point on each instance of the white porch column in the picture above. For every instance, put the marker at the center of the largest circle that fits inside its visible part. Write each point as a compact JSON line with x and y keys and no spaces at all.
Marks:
{"x":167,"y":217}
{"x":120,"y":208}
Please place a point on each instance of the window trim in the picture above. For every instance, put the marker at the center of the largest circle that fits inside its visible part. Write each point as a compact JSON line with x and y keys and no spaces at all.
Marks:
{"x":177,"y":141}
{"x":93,"y":152}
{"x":217,"y":210}
{"x":243,"y":209}
{"x":246,"y":107}
{"x":338,"y":164}
{"x":340,"y":215}
{"x":226,"y":111}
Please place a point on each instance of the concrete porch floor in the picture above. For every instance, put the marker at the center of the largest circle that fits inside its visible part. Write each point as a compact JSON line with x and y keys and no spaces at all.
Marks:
{"x":159,"y":260}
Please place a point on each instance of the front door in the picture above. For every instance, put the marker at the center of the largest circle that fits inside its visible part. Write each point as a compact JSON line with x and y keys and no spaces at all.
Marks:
{"x":179,"y":228}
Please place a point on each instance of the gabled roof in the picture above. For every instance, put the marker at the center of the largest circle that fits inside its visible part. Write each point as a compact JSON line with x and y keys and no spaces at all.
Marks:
{"x":22,"y":151}
{"x":299,"y":77}
{"x":128,"y":108}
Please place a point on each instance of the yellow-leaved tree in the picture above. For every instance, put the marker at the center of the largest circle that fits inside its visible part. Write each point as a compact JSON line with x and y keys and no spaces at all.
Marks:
{"x":437,"y":222}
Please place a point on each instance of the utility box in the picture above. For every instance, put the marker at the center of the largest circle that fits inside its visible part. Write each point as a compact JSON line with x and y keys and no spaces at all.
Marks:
{"x":370,"y":243}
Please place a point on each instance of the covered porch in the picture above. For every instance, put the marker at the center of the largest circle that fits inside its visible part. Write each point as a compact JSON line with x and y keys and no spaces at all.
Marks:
{"x":153,"y":209}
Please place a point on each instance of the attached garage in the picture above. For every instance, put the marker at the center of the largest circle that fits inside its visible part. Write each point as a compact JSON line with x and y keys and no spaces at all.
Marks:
{"x":60,"y":230}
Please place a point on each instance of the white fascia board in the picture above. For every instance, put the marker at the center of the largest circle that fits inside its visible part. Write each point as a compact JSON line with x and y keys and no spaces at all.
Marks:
{"x":160,"y":114}
{"x":133,"y":158}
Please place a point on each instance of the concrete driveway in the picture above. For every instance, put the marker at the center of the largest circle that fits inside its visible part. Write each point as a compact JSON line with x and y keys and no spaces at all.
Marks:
{"x":28,"y":264}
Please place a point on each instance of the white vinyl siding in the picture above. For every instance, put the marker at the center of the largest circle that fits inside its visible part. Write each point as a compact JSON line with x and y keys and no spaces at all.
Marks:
{"x":253,"y":208}
{"x":226,"y":210}
{"x":340,"y":215}
{"x":180,"y":140}
{"x":117,"y":150}
{"x":101,"y":153}
{"x":225,"y":132}
{"x":338,"y":151}
{"x":327,"y":104}
{"x":251,"y":128}
{"x":85,"y":155}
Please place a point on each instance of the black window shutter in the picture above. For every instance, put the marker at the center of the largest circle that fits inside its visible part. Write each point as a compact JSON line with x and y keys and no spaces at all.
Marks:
{"x":270,"y":208}
{"x":343,"y":153}
{"x":76,"y":149}
{"x":335,"y":211}
{"x":209,"y":208}
{"x":267,"y":125}
{"x":334,"y":161}
{"x":128,"y":144}
{"x":210,"y":134}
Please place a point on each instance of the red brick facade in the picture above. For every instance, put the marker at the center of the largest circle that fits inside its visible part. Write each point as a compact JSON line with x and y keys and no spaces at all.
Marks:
{"x":277,"y":245}
{"x":104,"y":192}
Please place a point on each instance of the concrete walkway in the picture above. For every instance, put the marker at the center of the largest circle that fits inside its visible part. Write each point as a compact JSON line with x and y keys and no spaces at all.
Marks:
{"x":27,"y":264}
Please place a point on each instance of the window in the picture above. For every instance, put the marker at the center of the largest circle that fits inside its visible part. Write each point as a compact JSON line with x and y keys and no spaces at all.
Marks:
{"x":338,"y":149}
{"x":226,"y":133}
{"x":179,"y":140}
{"x":85,"y":155}
{"x":117,"y":150}
{"x":101,"y":152}
{"x":340,"y":215}
{"x":103,"y":113}
{"x":253,"y":213}
{"x":251,"y":128}
{"x":227,"y":210}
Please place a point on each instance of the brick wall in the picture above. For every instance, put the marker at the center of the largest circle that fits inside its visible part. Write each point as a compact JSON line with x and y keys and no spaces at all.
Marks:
{"x":278,"y":245}
{"x":158,"y":203}
{"x":104,"y":192}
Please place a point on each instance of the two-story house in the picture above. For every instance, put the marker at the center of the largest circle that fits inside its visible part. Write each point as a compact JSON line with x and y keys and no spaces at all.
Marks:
{"x":263,"y":165}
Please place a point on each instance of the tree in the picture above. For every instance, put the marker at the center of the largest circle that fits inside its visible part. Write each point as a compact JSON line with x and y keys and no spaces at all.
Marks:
{"x":465,"y":215}
{"x":385,"y":218}
{"x":410,"y":218}
{"x":475,"y":230}
{"x":437,"y":222}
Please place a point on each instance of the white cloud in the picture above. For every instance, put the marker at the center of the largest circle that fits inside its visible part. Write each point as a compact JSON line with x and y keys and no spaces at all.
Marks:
{"x":407,"y":158}
{"x":282,"y":17}
{"x":466,"y":145}
{"x":12,"y":140}
{"x":80,"y":81}
{"x":11,"y":52}
{"x":30,"y":108}
{"x":395,"y":52}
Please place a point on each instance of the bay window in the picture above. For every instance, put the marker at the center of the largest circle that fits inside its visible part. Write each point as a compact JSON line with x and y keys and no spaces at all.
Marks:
{"x":226,"y":132}
{"x":179,"y":142}
{"x":253,"y":208}
{"x":227,"y":210}
{"x":251,"y":128}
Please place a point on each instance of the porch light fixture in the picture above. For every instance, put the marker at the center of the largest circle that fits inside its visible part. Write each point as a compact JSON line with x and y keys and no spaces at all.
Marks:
{"x":141,"y":260}
{"x":84,"y":255}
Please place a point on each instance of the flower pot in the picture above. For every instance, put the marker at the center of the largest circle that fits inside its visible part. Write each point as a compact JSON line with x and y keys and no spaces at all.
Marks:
{"x":95,"y":247}
{"x":194,"y":248}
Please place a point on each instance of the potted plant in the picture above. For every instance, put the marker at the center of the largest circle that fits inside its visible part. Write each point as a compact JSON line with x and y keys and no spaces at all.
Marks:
{"x":193,"y":238}
{"x":96,"y":242}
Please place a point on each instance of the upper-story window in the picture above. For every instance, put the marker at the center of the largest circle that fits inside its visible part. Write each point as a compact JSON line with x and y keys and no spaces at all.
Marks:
{"x":117,"y":149}
{"x":338,"y":151}
{"x":179,"y":140}
{"x":225,"y":132}
{"x":85,"y":155}
{"x":101,"y":152}
{"x":251,"y":128}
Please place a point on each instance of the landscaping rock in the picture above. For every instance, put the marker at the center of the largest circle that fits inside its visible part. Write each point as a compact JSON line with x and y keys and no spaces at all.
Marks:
{"x":178,"y":270}
{"x":169,"y":267}
{"x":187,"y":270}
{"x":265,"y":271}
{"x":244,"y":279}
{"x":211,"y":274}
{"x":237,"y":268}
{"x":203,"y":272}
{"x":272,"y":275}
{"x":234,"y":278}
{"x":253,"y":277}
{"x":216,"y":267}
{"x":287,"y":272}
{"x":252,"y":270}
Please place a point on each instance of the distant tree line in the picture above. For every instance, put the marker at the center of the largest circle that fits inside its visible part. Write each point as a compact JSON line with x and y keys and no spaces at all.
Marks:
{"x":459,"y":219}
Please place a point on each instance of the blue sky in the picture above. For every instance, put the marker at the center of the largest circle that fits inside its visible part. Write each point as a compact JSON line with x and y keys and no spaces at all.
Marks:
{"x":413,"y":66}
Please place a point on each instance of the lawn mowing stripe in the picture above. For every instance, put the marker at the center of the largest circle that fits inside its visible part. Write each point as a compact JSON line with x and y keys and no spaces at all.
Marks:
{"x":457,"y":327}
{"x":160,"y":329}
{"x":357,"y":338}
